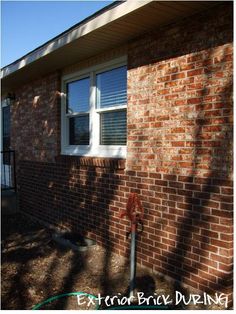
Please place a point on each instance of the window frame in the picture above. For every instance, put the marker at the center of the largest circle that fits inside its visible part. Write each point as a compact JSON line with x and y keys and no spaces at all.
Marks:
{"x":94,"y":149}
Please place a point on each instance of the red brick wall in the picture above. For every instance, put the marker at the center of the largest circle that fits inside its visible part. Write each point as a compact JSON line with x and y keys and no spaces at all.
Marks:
{"x":35,"y":119}
{"x":180,"y":147}
{"x":179,"y":156}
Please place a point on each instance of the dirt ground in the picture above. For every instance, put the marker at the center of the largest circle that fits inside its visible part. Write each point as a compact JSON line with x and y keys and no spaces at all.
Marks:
{"x":35,"y":268}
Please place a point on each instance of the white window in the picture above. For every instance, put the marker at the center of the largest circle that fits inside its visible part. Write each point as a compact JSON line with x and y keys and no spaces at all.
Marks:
{"x":94,"y":111}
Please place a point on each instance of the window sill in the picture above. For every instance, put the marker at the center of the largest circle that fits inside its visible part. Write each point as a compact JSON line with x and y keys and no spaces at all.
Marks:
{"x":102,"y":151}
{"x":98,"y":162}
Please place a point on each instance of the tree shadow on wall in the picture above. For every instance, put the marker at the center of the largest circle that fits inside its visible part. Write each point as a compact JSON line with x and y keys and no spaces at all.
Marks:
{"x":190,"y":257}
{"x":195,"y":238}
{"x":92,"y":217}
{"x":82,"y":200}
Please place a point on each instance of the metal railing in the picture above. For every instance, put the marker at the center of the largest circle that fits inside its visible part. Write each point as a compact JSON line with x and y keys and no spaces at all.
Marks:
{"x":8,"y":170}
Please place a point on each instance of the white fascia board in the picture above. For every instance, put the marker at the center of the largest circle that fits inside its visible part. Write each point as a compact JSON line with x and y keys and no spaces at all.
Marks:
{"x":79,"y":31}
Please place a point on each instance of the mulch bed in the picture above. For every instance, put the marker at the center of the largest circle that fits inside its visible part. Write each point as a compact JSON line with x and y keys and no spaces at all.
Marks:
{"x":35,"y":268}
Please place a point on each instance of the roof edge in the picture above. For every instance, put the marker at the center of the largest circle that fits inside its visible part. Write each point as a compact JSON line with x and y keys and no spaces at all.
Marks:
{"x":86,"y":26}
{"x":87,"y":19}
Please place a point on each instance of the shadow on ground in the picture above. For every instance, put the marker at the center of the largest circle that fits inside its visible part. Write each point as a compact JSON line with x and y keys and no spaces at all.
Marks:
{"x":34,"y":268}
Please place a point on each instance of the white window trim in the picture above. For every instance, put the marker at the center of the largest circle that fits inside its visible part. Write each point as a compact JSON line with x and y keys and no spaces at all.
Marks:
{"x":94,"y":149}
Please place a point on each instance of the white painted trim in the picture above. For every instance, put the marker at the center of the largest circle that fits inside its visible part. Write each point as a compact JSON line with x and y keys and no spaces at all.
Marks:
{"x":77,"y":32}
{"x":115,"y":108}
{"x":75,"y":114}
{"x":93,"y":149}
{"x":87,"y":151}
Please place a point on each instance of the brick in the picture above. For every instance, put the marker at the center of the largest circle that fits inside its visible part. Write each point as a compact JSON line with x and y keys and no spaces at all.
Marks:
{"x":178,"y":76}
{"x":176,"y":185}
{"x":221,"y":244}
{"x":195,"y":72}
{"x":178,"y":144}
{"x":226,"y":267}
{"x":161,"y":182}
{"x":223,"y":182}
{"x":185,"y":179}
{"x":226,"y":206}
{"x":194,"y":187}
{"x":169,"y":177}
{"x":228,"y":191}
{"x":142,"y":174}
{"x":155,"y":175}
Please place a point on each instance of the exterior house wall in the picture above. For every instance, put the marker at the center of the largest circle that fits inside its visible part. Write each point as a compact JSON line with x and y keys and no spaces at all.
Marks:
{"x":179,"y":156}
{"x":35,"y":120}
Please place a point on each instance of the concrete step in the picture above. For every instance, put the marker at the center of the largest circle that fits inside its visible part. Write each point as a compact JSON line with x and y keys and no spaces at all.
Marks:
{"x":9,"y":202}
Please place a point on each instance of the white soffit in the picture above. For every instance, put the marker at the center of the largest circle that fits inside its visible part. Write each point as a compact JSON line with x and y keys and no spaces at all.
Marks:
{"x":114,"y":26}
{"x":82,"y":30}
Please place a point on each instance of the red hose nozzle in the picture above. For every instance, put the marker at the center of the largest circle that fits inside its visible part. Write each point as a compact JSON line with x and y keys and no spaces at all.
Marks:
{"x":134,"y":209}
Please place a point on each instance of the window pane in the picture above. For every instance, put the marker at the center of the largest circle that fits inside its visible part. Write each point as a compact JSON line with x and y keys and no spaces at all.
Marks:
{"x":113,"y":128}
{"x":79,"y":130}
{"x":112,"y":88}
{"x":78,"y":96}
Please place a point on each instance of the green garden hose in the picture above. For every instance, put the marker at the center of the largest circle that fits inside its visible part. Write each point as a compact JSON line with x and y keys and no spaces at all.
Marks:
{"x":56,"y":297}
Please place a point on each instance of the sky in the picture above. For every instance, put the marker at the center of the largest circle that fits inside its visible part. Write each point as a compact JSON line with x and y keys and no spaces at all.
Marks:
{"x":25,"y":25}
